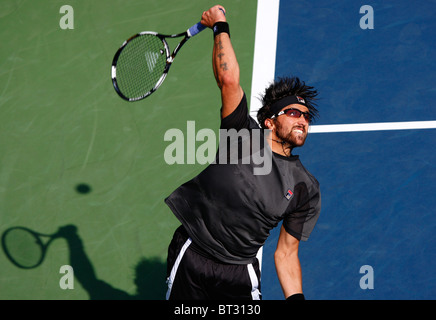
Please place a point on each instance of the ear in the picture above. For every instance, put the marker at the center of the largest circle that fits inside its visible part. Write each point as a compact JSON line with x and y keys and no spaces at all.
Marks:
{"x":269,"y":123}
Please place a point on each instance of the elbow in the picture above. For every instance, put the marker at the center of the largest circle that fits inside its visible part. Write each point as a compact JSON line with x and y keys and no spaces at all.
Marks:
{"x":285,"y":256}
{"x":228,"y":81}
{"x":280,"y":256}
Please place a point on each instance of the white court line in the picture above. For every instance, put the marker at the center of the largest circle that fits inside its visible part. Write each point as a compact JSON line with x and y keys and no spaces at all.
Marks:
{"x":264,"y":60}
{"x":265,"y":45}
{"x":377,"y":126}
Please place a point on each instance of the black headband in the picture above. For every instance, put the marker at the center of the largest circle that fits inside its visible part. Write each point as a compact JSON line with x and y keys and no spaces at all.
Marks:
{"x":286,"y":101}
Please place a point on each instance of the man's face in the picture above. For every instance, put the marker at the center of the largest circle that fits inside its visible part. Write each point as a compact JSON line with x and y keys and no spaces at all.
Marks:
{"x":292,"y":130}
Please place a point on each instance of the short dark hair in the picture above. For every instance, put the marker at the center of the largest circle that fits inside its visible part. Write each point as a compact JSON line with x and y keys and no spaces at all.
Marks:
{"x":283,"y":87}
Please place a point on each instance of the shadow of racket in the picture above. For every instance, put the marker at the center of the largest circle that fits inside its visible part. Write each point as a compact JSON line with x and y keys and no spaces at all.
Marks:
{"x":25,"y":248}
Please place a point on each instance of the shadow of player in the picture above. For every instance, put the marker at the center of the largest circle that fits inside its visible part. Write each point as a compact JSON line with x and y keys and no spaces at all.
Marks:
{"x":149,"y":279}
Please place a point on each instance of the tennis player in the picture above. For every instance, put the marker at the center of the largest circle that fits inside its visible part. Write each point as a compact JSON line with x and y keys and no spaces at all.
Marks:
{"x":226,"y":211}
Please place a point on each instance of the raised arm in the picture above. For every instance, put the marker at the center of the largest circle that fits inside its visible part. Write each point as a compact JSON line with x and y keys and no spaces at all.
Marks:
{"x":225,"y":65}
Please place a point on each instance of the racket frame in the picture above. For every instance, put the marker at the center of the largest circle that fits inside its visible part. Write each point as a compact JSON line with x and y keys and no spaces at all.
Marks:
{"x":169,"y":58}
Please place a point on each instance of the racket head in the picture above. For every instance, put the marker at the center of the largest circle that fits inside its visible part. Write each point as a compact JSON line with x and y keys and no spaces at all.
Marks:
{"x":23,"y":247}
{"x":140,"y":65}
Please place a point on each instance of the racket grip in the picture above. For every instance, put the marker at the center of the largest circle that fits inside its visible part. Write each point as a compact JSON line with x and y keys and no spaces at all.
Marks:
{"x":197,"y":28}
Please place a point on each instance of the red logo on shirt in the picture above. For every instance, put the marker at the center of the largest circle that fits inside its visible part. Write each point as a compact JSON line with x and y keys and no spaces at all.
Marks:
{"x":289,"y":194}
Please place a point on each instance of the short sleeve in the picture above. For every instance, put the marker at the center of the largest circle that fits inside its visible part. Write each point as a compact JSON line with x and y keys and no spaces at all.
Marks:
{"x":301,"y":221}
{"x":239,"y":118}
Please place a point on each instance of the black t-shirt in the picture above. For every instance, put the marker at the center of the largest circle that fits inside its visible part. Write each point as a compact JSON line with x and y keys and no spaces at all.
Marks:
{"x":228,"y":210}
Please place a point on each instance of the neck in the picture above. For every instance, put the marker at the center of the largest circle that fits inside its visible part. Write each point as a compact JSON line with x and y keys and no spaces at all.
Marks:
{"x":278,"y":146}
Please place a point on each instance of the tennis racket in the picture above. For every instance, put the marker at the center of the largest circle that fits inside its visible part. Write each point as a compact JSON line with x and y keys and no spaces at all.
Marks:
{"x":24,"y":247}
{"x":141,"y":64}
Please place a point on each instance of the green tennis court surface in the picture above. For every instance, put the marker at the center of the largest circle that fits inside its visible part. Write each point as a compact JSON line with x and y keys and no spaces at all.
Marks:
{"x":74,"y":153}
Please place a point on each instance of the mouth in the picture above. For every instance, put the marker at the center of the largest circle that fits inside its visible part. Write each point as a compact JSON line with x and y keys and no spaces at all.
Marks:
{"x":298,"y":130}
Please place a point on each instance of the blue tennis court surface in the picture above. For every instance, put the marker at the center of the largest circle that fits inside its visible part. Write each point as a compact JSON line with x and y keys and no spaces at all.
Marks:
{"x":377,"y":187}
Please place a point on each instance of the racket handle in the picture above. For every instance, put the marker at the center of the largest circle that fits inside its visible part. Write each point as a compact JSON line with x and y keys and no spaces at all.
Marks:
{"x":197,"y":28}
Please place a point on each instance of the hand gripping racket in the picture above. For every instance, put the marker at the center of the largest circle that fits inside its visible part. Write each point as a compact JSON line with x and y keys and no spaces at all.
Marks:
{"x":24,"y":247}
{"x":142,"y":62}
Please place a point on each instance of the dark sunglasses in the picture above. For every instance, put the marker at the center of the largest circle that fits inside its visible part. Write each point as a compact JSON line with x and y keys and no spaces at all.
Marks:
{"x":294,"y":113}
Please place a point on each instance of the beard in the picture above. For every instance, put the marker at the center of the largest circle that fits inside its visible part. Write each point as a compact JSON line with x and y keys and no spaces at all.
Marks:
{"x":291,"y":138}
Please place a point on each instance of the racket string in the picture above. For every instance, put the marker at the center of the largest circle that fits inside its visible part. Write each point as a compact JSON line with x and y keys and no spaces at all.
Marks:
{"x":140,"y":65}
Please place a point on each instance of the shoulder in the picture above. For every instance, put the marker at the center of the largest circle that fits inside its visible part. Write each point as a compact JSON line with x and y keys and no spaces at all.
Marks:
{"x":239,"y":118}
{"x":308,"y":176}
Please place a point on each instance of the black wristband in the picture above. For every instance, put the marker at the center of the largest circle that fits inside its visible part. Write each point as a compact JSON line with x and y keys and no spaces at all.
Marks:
{"x":220,"y":27}
{"x":297,"y":296}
